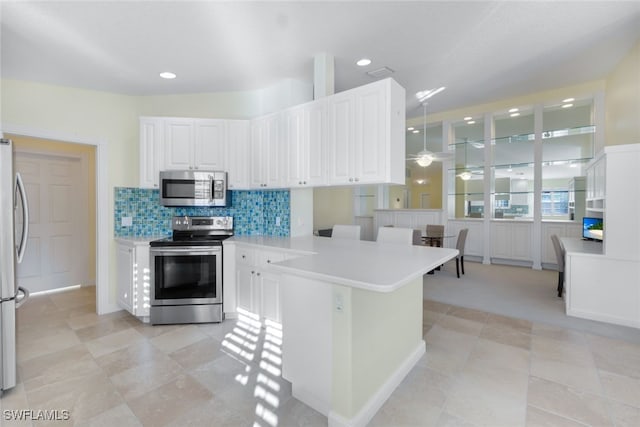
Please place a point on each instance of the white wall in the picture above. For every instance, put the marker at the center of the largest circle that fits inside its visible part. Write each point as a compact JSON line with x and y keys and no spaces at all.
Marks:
{"x":623,"y":101}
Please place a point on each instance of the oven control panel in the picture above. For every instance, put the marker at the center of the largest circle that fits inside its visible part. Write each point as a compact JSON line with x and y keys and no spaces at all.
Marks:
{"x":182,"y":223}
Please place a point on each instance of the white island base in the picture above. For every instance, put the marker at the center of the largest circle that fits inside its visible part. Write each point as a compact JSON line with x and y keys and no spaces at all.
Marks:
{"x":346,"y":349}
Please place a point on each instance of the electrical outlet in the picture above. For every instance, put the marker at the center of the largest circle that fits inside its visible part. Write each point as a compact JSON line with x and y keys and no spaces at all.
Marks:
{"x":277,"y":221}
{"x":338,"y":303}
{"x":126,"y":221}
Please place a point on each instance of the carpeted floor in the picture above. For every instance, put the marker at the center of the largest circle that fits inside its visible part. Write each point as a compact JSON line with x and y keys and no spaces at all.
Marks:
{"x":514,"y":291}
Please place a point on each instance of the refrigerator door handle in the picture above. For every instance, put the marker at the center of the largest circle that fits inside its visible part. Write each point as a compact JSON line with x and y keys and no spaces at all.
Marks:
{"x":20,"y":301}
{"x":25,"y":218}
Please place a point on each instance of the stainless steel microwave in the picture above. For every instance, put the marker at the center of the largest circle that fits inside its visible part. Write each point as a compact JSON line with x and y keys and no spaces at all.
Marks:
{"x":193,"y":188}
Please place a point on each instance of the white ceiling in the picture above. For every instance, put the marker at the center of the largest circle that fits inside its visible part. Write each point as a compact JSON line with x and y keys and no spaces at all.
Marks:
{"x":481,"y":51}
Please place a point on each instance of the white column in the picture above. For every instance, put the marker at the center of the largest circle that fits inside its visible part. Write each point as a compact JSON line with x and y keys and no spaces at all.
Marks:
{"x":536,"y":248}
{"x":301,"y":203}
{"x":489,"y":134}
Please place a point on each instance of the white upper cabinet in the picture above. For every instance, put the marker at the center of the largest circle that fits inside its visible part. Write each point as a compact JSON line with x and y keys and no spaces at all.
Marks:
{"x":304,"y":136}
{"x":194,"y":144}
{"x":238,"y":154}
{"x":151,"y":151}
{"x":366,"y":139}
{"x":266,"y":170}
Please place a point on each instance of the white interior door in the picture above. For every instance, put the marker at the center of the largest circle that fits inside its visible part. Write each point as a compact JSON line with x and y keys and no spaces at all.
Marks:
{"x":56,"y":254}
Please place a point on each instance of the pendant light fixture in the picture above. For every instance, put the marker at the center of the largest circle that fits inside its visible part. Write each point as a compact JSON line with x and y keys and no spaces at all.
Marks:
{"x":424,"y":157}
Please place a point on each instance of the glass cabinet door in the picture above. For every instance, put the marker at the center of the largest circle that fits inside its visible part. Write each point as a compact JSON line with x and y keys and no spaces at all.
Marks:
{"x":466,"y":171}
{"x":512,"y":156}
{"x":567,"y":146}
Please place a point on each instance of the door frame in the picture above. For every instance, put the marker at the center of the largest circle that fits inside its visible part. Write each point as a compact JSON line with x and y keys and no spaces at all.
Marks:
{"x":103,"y":305}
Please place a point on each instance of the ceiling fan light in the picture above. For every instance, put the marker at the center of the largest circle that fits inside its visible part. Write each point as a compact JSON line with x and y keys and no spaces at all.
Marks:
{"x":465,"y":176}
{"x":424,"y":159}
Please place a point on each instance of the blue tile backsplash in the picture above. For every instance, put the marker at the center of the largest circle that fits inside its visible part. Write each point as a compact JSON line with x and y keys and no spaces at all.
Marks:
{"x":254,"y":212}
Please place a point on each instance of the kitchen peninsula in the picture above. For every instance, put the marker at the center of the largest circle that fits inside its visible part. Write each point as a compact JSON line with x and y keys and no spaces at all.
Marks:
{"x":351,"y":314}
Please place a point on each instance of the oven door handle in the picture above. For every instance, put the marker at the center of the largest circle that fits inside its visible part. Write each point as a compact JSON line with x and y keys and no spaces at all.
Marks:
{"x":197,"y":250}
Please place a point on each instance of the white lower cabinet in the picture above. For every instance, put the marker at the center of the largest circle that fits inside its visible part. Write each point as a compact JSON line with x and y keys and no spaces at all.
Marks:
{"x":133,"y":277}
{"x":257,"y":288}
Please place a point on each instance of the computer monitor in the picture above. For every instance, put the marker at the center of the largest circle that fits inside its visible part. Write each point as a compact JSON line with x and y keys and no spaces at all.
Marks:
{"x":592,"y":228}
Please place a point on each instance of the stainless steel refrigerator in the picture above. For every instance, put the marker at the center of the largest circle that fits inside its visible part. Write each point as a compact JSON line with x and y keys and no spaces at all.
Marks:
{"x":14,"y":229}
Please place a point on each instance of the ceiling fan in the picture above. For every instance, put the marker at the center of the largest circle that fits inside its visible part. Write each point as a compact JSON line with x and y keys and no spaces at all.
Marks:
{"x":425,"y":157}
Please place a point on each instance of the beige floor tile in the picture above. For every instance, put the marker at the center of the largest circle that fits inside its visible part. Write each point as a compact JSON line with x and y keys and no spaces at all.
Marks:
{"x":406,"y":410}
{"x":469,"y":314}
{"x":138,"y":353}
{"x":54,"y":341}
{"x":552,"y":348}
{"x":448,"y":420}
{"x":459,"y":324}
{"x":621,"y":388}
{"x":430,"y":316}
{"x":135,"y":382}
{"x":615,"y":356}
{"x":178,"y":338}
{"x":12,"y":400}
{"x":102,"y":328}
{"x":113,"y":342}
{"x":73,"y":362}
{"x":567,"y":372}
{"x":295,"y":413}
{"x":435,"y":306}
{"x":199,"y":353}
{"x":151,"y":331}
{"x":84,"y":397}
{"x":520,"y":325}
{"x":557,"y":333}
{"x":492,"y":379}
{"x":506,"y":335}
{"x":120,"y":416}
{"x":171,"y":402}
{"x":82,"y":320}
{"x":215,"y":412}
{"x":486,"y":407}
{"x":624,"y":415}
{"x":538,"y":418}
{"x":494,"y":354}
{"x":567,"y":402}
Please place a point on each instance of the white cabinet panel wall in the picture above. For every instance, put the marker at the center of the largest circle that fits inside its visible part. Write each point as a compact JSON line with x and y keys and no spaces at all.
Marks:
{"x":266,"y":148}
{"x":238,"y":154}
{"x":511,"y":240}
{"x":178,"y":142}
{"x":151,"y":151}
{"x":406,"y":218}
{"x":210,"y":143}
{"x":133,"y":277}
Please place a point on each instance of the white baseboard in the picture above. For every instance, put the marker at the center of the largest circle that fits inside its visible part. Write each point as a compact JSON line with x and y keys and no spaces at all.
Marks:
{"x":603,"y":318}
{"x":376,"y":401}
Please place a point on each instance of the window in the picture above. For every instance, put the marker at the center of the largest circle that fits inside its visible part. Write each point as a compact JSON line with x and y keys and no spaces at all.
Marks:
{"x":555,"y":203}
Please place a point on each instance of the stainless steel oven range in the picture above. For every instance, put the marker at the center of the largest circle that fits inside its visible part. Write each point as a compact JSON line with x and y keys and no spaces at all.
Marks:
{"x":186,"y":271}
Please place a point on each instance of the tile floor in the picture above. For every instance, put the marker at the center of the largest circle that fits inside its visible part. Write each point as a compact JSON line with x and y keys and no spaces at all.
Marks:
{"x":479,"y":369}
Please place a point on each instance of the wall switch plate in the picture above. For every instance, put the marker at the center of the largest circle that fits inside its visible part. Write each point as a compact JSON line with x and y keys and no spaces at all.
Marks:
{"x":126,"y":221}
{"x":338,"y":303}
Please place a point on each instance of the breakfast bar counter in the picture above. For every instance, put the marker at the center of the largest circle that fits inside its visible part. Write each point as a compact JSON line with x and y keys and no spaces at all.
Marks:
{"x":351,"y":314}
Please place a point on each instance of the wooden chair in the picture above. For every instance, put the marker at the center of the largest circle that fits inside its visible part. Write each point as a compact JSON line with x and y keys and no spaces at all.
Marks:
{"x":560,"y":252}
{"x":341,"y":231}
{"x":395,"y":235}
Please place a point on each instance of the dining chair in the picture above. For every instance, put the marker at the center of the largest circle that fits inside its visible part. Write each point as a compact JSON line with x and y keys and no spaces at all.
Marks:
{"x":462,"y":239}
{"x":395,"y":235}
{"x":435,"y":234}
{"x":558,"y":248}
{"x":341,"y":231}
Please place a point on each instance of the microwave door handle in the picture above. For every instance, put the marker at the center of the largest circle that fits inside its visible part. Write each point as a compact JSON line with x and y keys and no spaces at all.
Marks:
{"x":25,"y":217}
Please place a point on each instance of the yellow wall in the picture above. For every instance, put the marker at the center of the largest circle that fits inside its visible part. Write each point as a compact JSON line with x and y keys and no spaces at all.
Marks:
{"x":49,"y":146}
{"x":332,"y":206}
{"x":623,"y":101}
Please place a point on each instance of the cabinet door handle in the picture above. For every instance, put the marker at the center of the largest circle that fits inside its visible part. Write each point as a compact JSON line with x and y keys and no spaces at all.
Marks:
{"x":268,"y":261}
{"x":357,"y":179}
{"x":258,"y":273}
{"x":350,"y":179}
{"x":304,"y":182}
{"x":253,"y":272}
{"x":244,"y":256}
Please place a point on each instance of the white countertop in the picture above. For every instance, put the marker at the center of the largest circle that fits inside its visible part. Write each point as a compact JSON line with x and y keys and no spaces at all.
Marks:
{"x":577,"y":245}
{"x":136,"y":241}
{"x":356,"y":263}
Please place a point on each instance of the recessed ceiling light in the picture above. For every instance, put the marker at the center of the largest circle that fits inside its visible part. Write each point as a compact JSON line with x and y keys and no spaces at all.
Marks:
{"x":568,"y":100}
{"x":573,"y":165}
{"x":513,"y":110}
{"x":514,"y":114}
{"x":411,"y":128}
{"x":567,"y":106}
{"x":167,"y":75}
{"x":416,"y":131}
{"x":363,"y":62}
{"x":468,"y":118}
{"x":471,"y":122}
